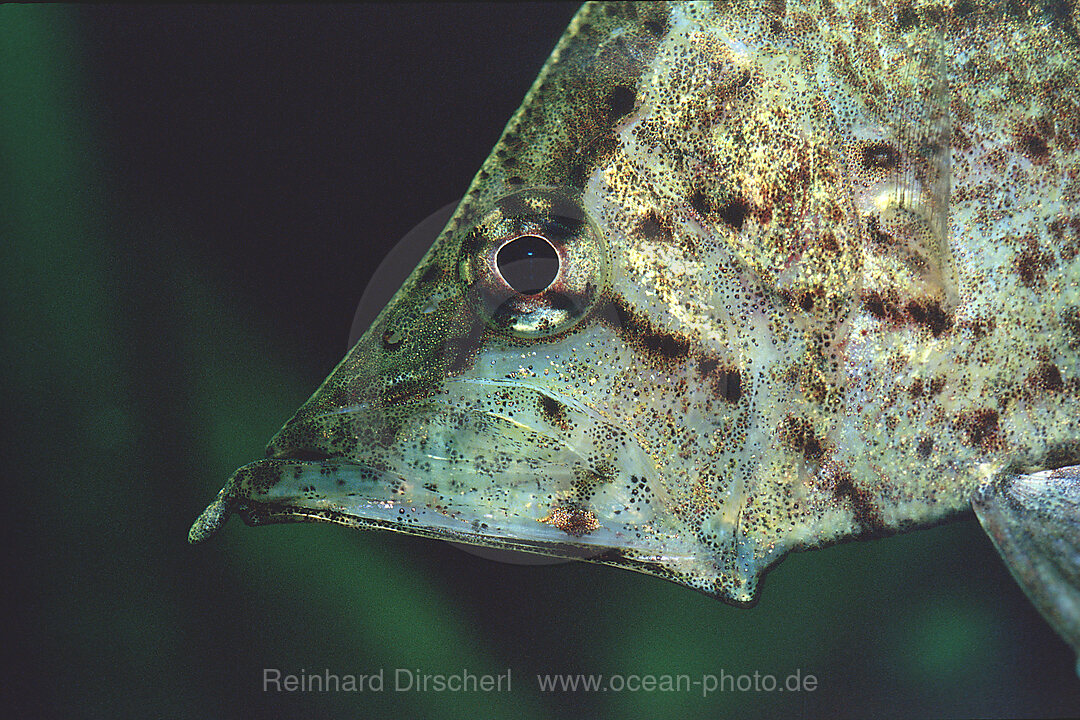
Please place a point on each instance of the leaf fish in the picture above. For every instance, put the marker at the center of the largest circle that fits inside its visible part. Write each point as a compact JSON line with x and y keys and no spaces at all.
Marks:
{"x":738,"y":279}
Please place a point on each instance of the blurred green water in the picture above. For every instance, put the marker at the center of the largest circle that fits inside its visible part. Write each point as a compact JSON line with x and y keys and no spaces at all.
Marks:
{"x":134,"y":383}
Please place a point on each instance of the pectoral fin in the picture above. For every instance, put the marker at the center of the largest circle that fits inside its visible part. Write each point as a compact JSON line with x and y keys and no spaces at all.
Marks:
{"x":1034,"y":521}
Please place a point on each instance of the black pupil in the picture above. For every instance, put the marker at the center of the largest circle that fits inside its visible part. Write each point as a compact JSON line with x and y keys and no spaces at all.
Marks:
{"x":529,"y":264}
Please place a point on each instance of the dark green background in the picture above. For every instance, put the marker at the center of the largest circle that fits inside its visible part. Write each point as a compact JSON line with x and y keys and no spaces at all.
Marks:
{"x":193,"y":200}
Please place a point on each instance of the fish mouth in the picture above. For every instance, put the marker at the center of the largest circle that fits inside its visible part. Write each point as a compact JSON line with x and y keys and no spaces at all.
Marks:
{"x":493,"y":463}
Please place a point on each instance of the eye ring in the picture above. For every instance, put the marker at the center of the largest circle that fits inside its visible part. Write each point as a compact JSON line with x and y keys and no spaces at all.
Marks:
{"x":559,"y":263}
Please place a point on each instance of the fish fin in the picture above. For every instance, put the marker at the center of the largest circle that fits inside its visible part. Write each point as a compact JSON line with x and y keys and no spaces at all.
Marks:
{"x":1034,"y":521}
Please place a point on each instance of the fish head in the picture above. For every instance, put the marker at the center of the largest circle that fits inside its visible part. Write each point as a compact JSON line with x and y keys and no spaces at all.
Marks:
{"x":475,"y":407}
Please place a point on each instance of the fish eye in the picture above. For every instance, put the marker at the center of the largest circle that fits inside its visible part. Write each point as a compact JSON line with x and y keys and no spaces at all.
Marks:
{"x":534,"y":263}
{"x":529,"y":264}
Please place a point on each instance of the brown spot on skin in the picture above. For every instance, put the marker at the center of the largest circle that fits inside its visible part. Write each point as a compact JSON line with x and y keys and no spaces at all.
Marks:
{"x":460,"y":352}
{"x":1046,"y":378}
{"x":906,"y":16}
{"x":980,"y":428}
{"x":1033,"y":146}
{"x":916,"y":388}
{"x":764,"y":214}
{"x":652,"y":226}
{"x":433,"y":273}
{"x":827,"y":243}
{"x":980,"y":327}
{"x":636,"y":329}
{"x":925,"y":447}
{"x":875,"y":305}
{"x":879,"y":239}
{"x":554,"y":412}
{"x":1031,"y":264}
{"x":1066,"y":232}
{"x":407,"y":391}
{"x":655,"y":28}
{"x":924,"y":312}
{"x":388,"y":433}
{"x":1070,"y":323}
{"x":936,"y":385}
{"x":862,"y":504}
{"x":726,"y":382}
{"x":879,"y":156}
{"x":572,"y":521}
{"x":260,"y":478}
{"x":803,"y":299}
{"x":620,"y":101}
{"x":1063,"y":454}
{"x":929,"y":314}
{"x":797,"y":434}
{"x":589,"y":156}
{"x":700,"y":202}
{"x":734,"y":213}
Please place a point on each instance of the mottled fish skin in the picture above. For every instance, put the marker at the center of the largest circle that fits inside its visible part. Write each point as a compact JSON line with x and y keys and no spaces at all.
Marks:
{"x":819,"y":281}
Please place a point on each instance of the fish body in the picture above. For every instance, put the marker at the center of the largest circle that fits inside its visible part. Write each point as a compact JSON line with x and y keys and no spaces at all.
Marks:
{"x":738,"y":279}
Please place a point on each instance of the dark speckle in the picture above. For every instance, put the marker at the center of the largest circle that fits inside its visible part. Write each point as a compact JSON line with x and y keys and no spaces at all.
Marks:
{"x":700,"y":203}
{"x":734,"y":212}
{"x":1070,"y":323}
{"x":924,"y":312}
{"x":638,"y":330}
{"x":1033,"y":146}
{"x":655,"y":28}
{"x":554,"y":411}
{"x":620,"y":101}
{"x":797,"y":434}
{"x":862,"y":505}
{"x":1031,"y":264}
{"x":1046,"y":378}
{"x":925,"y":447}
{"x":879,"y":156}
{"x":433,"y":273}
{"x":726,"y":382}
{"x":652,"y":226}
{"x":980,"y":428}
{"x":573,"y":521}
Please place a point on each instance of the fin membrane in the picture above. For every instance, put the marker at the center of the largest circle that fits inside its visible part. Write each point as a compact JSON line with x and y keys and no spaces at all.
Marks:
{"x":1034,"y":521}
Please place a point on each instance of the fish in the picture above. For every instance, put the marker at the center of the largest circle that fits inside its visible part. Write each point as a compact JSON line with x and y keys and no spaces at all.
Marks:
{"x":739,"y":279}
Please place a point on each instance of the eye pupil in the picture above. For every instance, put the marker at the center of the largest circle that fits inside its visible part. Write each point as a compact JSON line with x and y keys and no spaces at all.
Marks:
{"x":528,"y":264}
